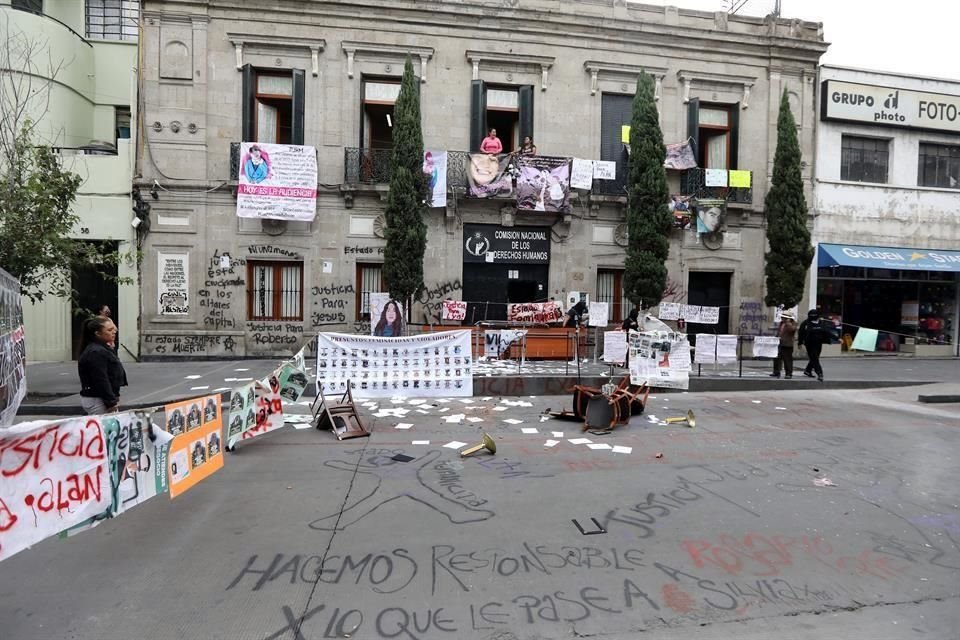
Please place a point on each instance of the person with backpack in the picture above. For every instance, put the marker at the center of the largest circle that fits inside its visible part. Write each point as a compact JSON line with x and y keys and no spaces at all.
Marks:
{"x":813,"y":334}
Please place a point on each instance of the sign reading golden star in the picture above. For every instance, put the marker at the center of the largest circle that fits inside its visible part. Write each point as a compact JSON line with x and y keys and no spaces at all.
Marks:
{"x":917,"y":256}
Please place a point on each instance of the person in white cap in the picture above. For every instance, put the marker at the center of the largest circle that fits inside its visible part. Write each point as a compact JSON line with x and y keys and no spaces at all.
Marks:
{"x":786,"y":331}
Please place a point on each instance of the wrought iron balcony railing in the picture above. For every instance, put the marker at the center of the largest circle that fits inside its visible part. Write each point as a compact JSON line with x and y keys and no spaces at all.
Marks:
{"x":693,"y":183}
{"x":366,"y":166}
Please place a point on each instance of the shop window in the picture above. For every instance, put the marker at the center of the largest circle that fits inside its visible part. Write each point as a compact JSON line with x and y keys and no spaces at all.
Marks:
{"x":508,"y":109}
{"x":273,"y":106}
{"x":864,"y":159}
{"x":939,"y":166}
{"x":370,"y":277}
{"x":937,"y":313}
{"x":274,"y":290}
{"x":113,"y":19}
{"x":610,"y":290}
{"x":714,"y":129}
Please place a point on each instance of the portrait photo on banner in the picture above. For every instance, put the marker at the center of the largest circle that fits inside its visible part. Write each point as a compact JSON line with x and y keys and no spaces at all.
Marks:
{"x":277,"y":181}
{"x":488,"y":176}
{"x":386,"y":316}
{"x":543,"y":184}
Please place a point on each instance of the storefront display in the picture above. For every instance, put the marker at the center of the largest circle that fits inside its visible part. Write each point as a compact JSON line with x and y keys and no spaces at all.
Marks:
{"x":914,"y":309}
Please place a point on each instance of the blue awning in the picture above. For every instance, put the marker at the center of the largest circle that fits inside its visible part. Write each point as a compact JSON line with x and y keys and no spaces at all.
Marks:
{"x":852,"y":255}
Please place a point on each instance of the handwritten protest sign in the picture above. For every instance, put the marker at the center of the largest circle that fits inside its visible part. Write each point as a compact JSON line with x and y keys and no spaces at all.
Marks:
{"x":614,"y":346}
{"x":53,"y":475}
{"x":539,"y":312}
{"x":454,"y":310}
{"x":277,"y":181}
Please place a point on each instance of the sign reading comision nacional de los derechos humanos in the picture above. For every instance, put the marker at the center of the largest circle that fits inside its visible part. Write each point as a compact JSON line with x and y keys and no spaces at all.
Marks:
{"x":889,"y":106}
{"x":507,"y":245}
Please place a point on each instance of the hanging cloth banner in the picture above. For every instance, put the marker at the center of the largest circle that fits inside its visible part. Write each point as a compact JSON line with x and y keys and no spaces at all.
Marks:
{"x":582,"y":175}
{"x":277,"y":181}
{"x":426,"y":365}
{"x":488,"y":176}
{"x":435,"y":168}
{"x":659,"y":360}
{"x":13,"y":379}
{"x":538,"y":312}
{"x":196,"y":451}
{"x":680,"y":156}
{"x":454,"y":310}
{"x":543,"y":184}
{"x":765,"y":346}
{"x":55,"y":475}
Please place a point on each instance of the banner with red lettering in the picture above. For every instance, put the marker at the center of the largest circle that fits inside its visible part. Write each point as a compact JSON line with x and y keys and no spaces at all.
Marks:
{"x":538,"y":312}
{"x":266,"y":408}
{"x":454,"y":310}
{"x":53,"y":475}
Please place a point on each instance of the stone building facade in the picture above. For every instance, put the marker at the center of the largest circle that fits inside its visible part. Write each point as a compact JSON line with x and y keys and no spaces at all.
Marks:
{"x":327,"y":74}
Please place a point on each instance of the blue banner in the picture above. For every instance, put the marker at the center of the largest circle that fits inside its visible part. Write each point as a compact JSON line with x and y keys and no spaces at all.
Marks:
{"x":851,"y":255}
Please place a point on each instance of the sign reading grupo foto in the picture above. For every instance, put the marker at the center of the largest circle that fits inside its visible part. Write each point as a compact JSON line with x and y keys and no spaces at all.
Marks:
{"x":173,"y":284}
{"x":889,"y":106}
{"x":508,"y":245}
{"x":277,"y":181}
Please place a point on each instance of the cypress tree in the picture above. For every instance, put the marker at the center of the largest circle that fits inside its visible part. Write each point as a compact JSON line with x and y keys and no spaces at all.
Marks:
{"x":787,"y":234}
{"x":406,"y":233}
{"x":648,"y":219}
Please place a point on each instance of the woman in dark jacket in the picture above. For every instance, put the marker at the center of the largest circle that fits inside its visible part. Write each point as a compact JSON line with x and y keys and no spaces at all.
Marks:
{"x":101,"y":373}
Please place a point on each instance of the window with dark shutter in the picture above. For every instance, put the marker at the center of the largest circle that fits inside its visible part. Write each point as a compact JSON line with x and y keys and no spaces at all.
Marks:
{"x":273,"y":106}
{"x":864,"y":159}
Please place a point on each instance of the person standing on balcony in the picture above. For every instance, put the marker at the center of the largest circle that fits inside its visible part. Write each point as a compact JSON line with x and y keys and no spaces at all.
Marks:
{"x":491,"y":144}
{"x":527,"y":148}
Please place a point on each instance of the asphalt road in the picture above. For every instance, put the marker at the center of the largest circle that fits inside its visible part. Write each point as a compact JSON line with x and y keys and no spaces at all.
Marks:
{"x":728,"y":534}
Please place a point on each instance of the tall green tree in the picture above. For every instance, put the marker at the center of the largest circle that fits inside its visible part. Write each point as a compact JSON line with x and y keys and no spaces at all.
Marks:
{"x":406,"y":233}
{"x":787,"y":233}
{"x":648,"y":219}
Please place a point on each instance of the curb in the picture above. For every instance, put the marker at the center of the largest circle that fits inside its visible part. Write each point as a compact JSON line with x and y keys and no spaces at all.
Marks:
{"x":514,"y":386}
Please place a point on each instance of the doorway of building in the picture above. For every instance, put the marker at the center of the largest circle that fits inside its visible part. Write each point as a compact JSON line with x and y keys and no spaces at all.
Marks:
{"x":489,"y":288}
{"x":93,"y":289}
{"x":522,"y":291}
{"x":710,"y":289}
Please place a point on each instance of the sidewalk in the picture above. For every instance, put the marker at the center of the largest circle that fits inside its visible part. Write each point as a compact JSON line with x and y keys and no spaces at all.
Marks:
{"x":53,"y":388}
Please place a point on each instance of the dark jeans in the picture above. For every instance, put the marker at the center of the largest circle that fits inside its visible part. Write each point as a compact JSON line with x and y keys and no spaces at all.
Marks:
{"x":813,"y":352}
{"x":785,"y":356}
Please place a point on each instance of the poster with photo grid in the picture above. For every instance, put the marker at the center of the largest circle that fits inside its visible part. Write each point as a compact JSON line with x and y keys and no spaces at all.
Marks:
{"x":425,"y":365}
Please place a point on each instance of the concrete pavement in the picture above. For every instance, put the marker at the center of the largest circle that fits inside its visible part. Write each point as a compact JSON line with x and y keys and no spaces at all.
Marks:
{"x":733,"y":532}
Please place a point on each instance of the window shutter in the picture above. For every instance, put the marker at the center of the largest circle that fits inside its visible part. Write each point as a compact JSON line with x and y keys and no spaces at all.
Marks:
{"x":478,"y":114}
{"x":693,"y":124}
{"x":247,"y":100}
{"x":299,"y":99}
{"x":526,"y":111}
{"x":734,"y":136}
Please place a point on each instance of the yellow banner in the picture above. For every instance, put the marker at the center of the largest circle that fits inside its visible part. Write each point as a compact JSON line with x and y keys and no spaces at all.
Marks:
{"x":625,"y":134}
{"x":197,"y":451}
{"x":739,"y":179}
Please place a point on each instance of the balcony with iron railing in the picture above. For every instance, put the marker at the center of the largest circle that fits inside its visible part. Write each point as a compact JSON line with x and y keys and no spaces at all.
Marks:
{"x":693,"y":183}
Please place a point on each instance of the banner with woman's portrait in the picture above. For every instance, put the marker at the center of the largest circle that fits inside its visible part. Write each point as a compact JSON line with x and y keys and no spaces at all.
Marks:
{"x":488,"y":175}
{"x":386,"y":316}
{"x":543,"y":184}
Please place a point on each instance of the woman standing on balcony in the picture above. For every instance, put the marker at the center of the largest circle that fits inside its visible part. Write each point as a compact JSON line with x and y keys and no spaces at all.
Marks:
{"x":527,"y":148}
{"x":491,"y":144}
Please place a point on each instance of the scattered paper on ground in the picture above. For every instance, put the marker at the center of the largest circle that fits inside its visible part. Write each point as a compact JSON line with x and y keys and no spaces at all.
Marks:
{"x":601,"y":445}
{"x":193,"y":377}
{"x":302,"y":425}
{"x":455,"y":444}
{"x":420,"y":442}
{"x":512,"y":420}
{"x":620,"y":449}
{"x":781,"y":408}
{"x":500,"y":408}
{"x":551,"y":443}
{"x":544,"y":418}
{"x":580,"y":441}
{"x":824,"y":482}
{"x":475,"y":419}
{"x":199,"y":388}
{"x":457,"y":417}
{"x":756,"y":401}
{"x":558,"y":434}
{"x":529,"y":430}
{"x":403,"y":425}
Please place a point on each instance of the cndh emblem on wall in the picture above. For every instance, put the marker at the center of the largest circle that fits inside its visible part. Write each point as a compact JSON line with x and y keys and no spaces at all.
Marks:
{"x":477,"y":244}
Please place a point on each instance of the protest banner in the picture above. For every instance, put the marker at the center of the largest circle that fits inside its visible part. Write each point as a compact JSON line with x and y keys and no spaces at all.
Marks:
{"x":604,"y":170}
{"x":581,"y":176}
{"x":277,"y":181}
{"x":386,"y":316}
{"x":138,"y":464}
{"x":435,"y":168}
{"x":765,"y":346}
{"x":173,"y":284}
{"x":709,"y":315}
{"x":293,"y":381}
{"x":55,"y":475}
{"x":496,"y":342}
{"x":535,"y":312}
{"x":726,"y":349}
{"x":669,"y":311}
{"x":659,"y":360}
{"x":599,"y":314}
{"x":614,"y":346}
{"x":543,"y":184}
{"x":242,"y":416}
{"x":488,"y":176}
{"x":454,"y":310}
{"x":432,"y":364}
{"x":196,"y":452}
{"x":706,"y":349}
{"x":13,"y":352}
